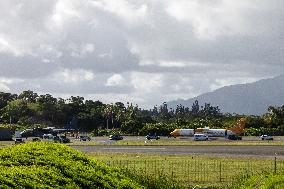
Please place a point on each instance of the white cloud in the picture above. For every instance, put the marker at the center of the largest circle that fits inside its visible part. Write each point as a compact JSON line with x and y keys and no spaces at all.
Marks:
{"x":147,"y":82}
{"x":73,"y":76}
{"x":171,"y":64}
{"x":232,"y":81}
{"x":6,"y":82}
{"x":64,"y":9}
{"x":181,"y":64}
{"x":80,"y":51}
{"x":143,"y":51}
{"x":211,"y":19}
{"x":116,"y":80}
{"x":129,"y":12}
{"x":4,"y":46}
{"x":4,"y":87}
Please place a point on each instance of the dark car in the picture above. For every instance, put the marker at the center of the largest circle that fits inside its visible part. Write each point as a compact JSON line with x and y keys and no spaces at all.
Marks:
{"x":85,"y":138}
{"x":234,"y":137}
{"x":64,"y":139}
{"x":115,"y":137}
{"x":36,"y":140}
{"x":19,"y":140}
{"x":149,"y":137}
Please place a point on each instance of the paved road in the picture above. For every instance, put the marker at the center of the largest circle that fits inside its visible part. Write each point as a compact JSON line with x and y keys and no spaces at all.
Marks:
{"x":236,"y":151}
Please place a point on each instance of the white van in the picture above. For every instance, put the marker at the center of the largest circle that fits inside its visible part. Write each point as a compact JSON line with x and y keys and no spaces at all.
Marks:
{"x":200,"y":137}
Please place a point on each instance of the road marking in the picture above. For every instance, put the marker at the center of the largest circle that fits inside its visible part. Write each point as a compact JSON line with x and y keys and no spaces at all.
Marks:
{"x":133,"y":148}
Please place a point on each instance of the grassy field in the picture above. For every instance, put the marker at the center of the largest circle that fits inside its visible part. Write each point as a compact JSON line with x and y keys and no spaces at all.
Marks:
{"x":264,"y":181}
{"x":26,"y":164}
{"x":6,"y":143}
{"x":166,"y":143}
{"x":193,"y":170}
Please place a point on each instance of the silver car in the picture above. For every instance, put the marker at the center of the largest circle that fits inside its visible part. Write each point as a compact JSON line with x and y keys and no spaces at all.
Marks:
{"x":200,"y":137}
{"x":266,"y":137}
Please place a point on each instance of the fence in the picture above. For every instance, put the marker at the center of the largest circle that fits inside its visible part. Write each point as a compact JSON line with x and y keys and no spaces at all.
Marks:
{"x":196,"y":171}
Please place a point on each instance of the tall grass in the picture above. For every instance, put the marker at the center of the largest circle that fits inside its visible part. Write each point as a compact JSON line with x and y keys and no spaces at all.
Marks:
{"x":263,"y":181}
{"x":190,"y":171}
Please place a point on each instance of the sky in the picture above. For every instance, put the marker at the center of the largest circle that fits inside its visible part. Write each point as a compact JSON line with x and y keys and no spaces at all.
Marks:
{"x":141,"y":51}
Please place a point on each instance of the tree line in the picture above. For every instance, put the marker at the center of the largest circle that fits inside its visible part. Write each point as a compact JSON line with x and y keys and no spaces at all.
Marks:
{"x":28,"y":110}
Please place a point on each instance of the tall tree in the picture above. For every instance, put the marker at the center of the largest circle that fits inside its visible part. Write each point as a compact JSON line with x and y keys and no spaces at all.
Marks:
{"x":28,"y":96}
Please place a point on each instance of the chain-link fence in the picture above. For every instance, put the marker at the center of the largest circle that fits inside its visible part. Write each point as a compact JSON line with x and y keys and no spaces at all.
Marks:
{"x":196,"y":171}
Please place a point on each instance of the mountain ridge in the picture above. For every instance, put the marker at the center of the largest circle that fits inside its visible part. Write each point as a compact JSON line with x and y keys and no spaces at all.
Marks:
{"x":250,"y":98}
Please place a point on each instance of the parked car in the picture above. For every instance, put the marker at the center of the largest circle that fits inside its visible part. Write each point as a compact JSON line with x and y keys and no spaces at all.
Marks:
{"x":64,"y":139}
{"x":85,"y":138}
{"x":234,"y":137}
{"x":115,"y":137}
{"x":266,"y":137}
{"x":52,"y":138}
{"x":19,"y":140}
{"x":36,"y":139}
{"x":149,"y":137}
{"x":200,"y":137}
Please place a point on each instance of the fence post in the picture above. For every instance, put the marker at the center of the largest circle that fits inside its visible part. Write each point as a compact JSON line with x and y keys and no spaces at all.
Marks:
{"x":134,"y":167}
{"x":275,"y":165}
{"x":195,"y":171}
{"x":220,"y":173}
{"x":172,"y":166}
{"x":145,"y":167}
{"x":155,"y":169}
{"x":187,"y":171}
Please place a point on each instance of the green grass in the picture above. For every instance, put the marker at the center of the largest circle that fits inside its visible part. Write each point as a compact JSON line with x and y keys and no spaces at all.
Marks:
{"x":263,"y":181}
{"x":51,"y":165}
{"x":178,"y":142}
{"x":6,"y":143}
{"x":194,"y":170}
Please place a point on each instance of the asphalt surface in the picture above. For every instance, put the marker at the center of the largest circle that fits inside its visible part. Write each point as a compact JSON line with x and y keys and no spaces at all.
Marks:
{"x":209,"y":150}
{"x":261,"y":151}
{"x":237,"y":151}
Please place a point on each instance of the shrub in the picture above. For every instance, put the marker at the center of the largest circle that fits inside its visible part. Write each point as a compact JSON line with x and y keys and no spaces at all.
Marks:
{"x":53,"y":165}
{"x":263,"y":181}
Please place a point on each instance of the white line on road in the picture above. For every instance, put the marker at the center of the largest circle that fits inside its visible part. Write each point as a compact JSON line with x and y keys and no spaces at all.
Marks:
{"x":134,"y":148}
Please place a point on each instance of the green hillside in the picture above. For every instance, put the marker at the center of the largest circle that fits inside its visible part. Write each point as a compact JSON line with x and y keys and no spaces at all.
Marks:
{"x":52,"y":165}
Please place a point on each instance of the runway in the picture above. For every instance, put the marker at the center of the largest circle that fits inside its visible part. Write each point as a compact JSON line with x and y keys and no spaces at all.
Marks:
{"x":235,"y":151}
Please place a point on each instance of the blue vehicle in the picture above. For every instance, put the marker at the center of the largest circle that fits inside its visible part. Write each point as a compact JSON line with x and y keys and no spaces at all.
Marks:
{"x":115,"y":137}
{"x":149,"y":137}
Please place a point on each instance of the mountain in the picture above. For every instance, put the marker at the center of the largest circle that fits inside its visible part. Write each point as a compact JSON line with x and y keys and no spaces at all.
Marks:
{"x":250,"y":99}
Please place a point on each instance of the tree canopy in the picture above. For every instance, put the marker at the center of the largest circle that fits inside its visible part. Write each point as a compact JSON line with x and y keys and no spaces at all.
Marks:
{"x":29,"y":109}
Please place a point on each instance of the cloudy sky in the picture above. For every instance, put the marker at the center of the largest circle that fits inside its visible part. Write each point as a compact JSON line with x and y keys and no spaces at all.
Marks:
{"x":140,"y":51}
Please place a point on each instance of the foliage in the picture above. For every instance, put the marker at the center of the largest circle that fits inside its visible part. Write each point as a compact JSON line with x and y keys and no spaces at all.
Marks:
{"x":263,"y":181}
{"x":51,"y":165}
{"x":160,"y":182}
{"x":157,"y":128}
{"x":29,"y":108}
{"x":198,"y":171}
